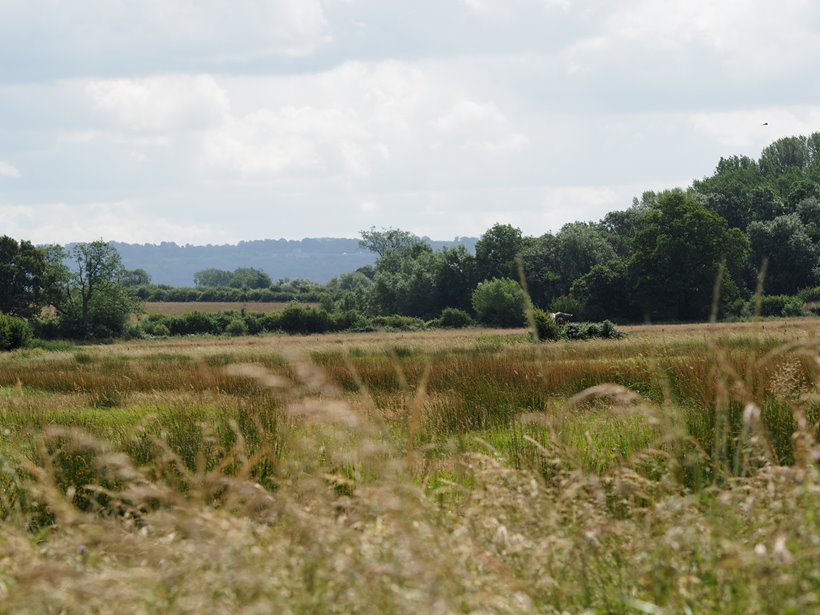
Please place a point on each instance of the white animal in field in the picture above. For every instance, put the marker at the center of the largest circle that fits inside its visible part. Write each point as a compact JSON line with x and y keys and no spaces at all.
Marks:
{"x":560,"y":317}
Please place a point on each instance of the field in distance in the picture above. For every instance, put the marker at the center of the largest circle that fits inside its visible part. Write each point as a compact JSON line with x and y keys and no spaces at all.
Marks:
{"x":175,"y":308}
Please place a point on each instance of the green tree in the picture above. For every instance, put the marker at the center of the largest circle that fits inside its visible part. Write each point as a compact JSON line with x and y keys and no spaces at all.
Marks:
{"x":581,"y":246}
{"x":93,"y":302}
{"x":764,"y":204}
{"x":349,"y":291}
{"x":553,"y":263}
{"x":387,"y":239}
{"x":135,"y":277}
{"x":675,"y":258}
{"x":728,"y":191}
{"x":808,"y":210}
{"x":497,"y":250}
{"x":24,"y":278}
{"x":455,"y":278}
{"x":605,"y":292}
{"x":500,"y":302}
{"x":212,"y":277}
{"x":790,"y":251}
{"x":540,"y":260}
{"x":620,"y":227}
{"x":405,"y":282}
{"x":248,"y":277}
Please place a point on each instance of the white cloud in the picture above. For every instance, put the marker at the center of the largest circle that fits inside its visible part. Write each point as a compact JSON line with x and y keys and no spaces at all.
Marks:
{"x":118,"y":221}
{"x":468,"y":113}
{"x":290,"y":139}
{"x":8,"y":170}
{"x":138,"y":33}
{"x":159,"y":103}
{"x":507,"y":7}
{"x":369,"y":207}
{"x":746,"y":40}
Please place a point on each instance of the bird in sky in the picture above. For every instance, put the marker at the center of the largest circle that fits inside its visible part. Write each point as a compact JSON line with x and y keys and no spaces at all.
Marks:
{"x":765,"y":124}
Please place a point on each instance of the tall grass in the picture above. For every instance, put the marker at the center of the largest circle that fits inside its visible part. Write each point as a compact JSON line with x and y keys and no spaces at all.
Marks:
{"x":644,"y":475}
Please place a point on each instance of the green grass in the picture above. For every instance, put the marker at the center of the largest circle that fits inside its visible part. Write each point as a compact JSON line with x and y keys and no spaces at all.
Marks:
{"x":414,"y":473}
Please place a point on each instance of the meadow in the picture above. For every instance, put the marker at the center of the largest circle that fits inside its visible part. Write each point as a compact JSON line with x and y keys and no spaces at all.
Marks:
{"x":175,"y":308}
{"x":465,"y":471}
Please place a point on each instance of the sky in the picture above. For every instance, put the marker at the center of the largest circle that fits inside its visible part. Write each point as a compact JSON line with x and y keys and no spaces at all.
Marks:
{"x":217,"y":121}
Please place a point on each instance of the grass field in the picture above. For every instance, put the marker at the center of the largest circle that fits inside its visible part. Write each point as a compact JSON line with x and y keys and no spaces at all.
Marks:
{"x":462,"y":471}
{"x":175,"y":308}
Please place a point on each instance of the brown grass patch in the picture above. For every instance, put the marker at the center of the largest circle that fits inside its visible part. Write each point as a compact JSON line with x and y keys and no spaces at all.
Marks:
{"x":175,"y":308}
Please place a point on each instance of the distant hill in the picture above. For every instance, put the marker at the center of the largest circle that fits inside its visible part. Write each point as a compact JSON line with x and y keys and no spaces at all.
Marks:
{"x":316,"y":259}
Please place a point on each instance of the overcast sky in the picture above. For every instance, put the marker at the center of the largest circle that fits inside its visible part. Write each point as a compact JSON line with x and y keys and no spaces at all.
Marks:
{"x":215,"y":121}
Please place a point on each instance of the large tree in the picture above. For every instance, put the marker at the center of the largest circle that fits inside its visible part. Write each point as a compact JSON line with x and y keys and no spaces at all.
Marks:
{"x":93,"y":301}
{"x":676,"y":256}
{"x":248,"y":277}
{"x":456,"y":278}
{"x":786,"y":244}
{"x":24,"y":278}
{"x":387,"y":239}
{"x":497,"y":250}
{"x":212,"y":277}
{"x":405,"y":282}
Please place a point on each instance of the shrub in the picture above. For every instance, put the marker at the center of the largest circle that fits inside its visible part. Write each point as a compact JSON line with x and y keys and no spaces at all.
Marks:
{"x":453,"y":318}
{"x":194,"y":323}
{"x":589,"y":330}
{"x":399,"y":322}
{"x":298,"y":319}
{"x":160,"y":330}
{"x":545,"y":326}
{"x":500,"y":303}
{"x":810,"y":295}
{"x":236,"y":327}
{"x":254,"y":323}
{"x":15,"y":332}
{"x":610,"y":331}
{"x":270,"y":321}
{"x":350,"y":320}
{"x":780,"y":305}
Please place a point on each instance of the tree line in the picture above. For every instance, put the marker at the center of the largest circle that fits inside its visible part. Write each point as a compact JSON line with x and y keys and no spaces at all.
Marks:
{"x":676,"y":255}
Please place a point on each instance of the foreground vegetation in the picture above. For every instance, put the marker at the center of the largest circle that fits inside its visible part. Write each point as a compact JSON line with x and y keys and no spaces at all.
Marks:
{"x":463,"y":471}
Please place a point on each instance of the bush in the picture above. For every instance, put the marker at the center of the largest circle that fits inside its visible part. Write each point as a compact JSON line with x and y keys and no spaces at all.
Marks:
{"x":610,"y":331}
{"x":453,"y":318}
{"x":810,"y":295}
{"x":779,"y":305}
{"x":399,"y":323}
{"x":589,"y":330}
{"x":254,"y":322}
{"x":194,"y":323}
{"x":499,"y":303}
{"x":298,"y":319}
{"x":15,"y":332}
{"x":350,"y":320}
{"x":545,"y":326}
{"x":236,"y":327}
{"x":270,"y":321}
{"x":160,"y":330}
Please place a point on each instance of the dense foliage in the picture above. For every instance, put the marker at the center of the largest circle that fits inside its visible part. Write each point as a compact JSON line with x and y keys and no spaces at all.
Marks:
{"x":15,"y":332}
